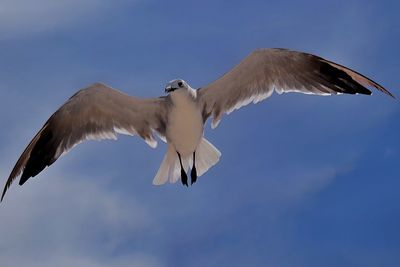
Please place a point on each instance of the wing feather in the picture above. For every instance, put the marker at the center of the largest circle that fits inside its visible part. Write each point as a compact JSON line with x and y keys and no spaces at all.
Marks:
{"x":94,"y":113}
{"x":267,"y":70}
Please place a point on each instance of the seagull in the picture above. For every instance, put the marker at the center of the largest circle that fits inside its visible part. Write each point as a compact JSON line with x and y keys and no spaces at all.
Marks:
{"x":178,"y":118}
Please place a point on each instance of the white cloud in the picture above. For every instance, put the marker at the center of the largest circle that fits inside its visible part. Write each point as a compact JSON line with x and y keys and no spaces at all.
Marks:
{"x":18,"y":17}
{"x":70,"y":222}
{"x":285,"y":190}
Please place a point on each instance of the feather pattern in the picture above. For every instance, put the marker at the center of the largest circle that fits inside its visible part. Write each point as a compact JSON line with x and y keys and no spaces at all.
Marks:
{"x":95,"y":113}
{"x":267,"y":70}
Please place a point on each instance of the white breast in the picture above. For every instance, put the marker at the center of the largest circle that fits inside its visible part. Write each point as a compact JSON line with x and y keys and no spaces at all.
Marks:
{"x":185,"y":123}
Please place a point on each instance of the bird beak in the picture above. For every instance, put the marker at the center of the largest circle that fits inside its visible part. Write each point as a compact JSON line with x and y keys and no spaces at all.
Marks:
{"x":169,"y":89}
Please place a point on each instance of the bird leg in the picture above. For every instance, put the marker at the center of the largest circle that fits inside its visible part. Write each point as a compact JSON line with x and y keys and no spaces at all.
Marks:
{"x":184,"y":177}
{"x":193,"y":173}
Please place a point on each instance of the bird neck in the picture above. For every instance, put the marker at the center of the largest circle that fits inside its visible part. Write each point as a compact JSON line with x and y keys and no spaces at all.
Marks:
{"x":183,"y":94}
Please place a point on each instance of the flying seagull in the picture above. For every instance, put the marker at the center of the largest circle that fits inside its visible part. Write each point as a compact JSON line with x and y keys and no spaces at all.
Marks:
{"x":101,"y":112}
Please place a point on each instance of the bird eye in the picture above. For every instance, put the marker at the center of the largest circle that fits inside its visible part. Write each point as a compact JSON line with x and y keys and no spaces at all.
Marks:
{"x":180,"y":84}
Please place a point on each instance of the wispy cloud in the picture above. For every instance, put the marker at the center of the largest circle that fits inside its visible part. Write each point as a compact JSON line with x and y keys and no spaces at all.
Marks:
{"x":71,"y":222}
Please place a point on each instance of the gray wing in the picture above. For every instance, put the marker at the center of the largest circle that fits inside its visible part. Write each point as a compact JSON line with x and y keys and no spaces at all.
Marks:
{"x":268,"y":70}
{"x":96,"y":112}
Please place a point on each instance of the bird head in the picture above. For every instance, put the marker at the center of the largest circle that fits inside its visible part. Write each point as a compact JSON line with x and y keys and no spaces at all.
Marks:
{"x":175,"y":85}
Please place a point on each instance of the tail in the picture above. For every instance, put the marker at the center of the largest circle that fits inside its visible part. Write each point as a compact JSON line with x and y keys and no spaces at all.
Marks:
{"x":206,"y":157}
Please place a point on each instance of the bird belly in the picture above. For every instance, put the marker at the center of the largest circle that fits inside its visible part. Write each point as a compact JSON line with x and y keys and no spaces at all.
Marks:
{"x":185,"y":125}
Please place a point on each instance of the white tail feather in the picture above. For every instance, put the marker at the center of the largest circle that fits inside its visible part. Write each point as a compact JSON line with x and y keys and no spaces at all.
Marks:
{"x":206,"y":157}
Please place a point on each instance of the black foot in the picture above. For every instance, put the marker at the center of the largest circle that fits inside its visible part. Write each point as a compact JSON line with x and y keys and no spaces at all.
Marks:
{"x":184,"y":178}
{"x":193,"y":175}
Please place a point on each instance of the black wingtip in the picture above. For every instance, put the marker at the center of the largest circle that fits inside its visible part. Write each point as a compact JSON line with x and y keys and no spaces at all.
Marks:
{"x":390,"y":94}
{"x":42,"y":155}
{"x":23,"y":179}
{"x":367,"y":81}
{"x":4,"y":192}
{"x":342,"y":82}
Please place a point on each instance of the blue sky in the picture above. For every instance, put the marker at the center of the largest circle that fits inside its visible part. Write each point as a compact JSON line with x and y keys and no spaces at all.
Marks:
{"x":303,"y":180}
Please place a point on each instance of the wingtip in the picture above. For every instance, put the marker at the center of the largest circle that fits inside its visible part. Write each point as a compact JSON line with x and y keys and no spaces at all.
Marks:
{"x":391,"y":94}
{"x":358,"y":77}
{"x":3,"y":194}
{"x":24,"y":178}
{"x":383,"y":90}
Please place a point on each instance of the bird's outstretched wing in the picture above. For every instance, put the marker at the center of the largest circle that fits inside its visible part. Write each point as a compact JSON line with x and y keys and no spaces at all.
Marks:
{"x":268,"y":70}
{"x":96,"y":112}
